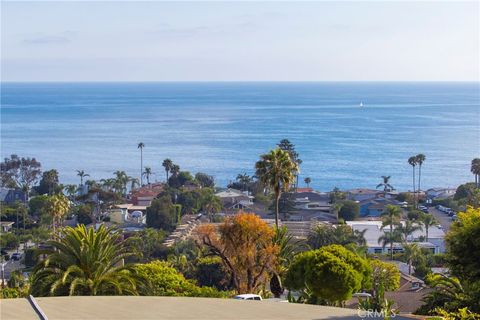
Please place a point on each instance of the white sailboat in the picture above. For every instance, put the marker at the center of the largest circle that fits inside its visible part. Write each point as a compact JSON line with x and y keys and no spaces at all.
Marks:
{"x":361,"y":104}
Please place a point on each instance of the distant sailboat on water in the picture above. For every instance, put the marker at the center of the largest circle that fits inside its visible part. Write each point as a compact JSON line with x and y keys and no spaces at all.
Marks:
{"x":361,"y":104}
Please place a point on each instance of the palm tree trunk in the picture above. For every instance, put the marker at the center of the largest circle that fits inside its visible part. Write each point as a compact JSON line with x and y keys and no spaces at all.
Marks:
{"x":141,"y":167}
{"x":419,"y":176}
{"x":276,"y":210}
{"x":414,"y":194}
{"x":391,"y":241}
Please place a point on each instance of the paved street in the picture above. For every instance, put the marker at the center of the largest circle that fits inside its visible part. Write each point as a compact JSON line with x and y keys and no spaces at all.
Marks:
{"x":444,"y":220}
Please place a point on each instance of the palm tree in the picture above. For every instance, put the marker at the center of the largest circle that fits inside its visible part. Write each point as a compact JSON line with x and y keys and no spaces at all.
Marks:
{"x":307,"y":180}
{"x":412,"y":252}
{"x":70,"y":189}
{"x":475,"y":169}
{"x":244,"y":180}
{"x":390,"y":217}
{"x":134,"y":182}
{"x":428,"y":220}
{"x":387,"y":187}
{"x":167,"y":164}
{"x":413,"y":162}
{"x":56,"y":206}
{"x":82,"y":175}
{"x":212,"y":205}
{"x":277,"y":171}
{"x":420,"y":159}
{"x":147,"y":173}
{"x":84,"y":262}
{"x":175,"y":170}
{"x":121,"y":181}
{"x":140,"y":146}
{"x":407,"y":229}
{"x":287,"y":246}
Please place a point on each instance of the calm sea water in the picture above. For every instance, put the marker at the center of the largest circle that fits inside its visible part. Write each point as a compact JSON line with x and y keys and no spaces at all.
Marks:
{"x":222,"y":128}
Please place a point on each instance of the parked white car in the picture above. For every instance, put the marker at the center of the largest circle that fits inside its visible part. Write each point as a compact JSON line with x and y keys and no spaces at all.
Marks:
{"x":248,"y":296}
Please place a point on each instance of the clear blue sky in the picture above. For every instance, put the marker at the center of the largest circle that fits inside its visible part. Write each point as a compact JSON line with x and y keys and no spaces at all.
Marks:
{"x":210,"y":41}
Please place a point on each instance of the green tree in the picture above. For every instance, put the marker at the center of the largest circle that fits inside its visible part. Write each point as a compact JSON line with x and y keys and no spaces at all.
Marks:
{"x":385,"y":277}
{"x":204,"y":180}
{"x":158,"y":278}
{"x":211,"y":272}
{"x":56,"y":206}
{"x":307,"y":181}
{"x":463,"y":246}
{"x":390,"y":217}
{"x":420,"y":159}
{"x":385,"y":184}
{"x":289,"y":147}
{"x":277,"y":171}
{"x":19,"y":172}
{"x":161,"y":214}
{"x":82,"y":174}
{"x":332,"y":273}
{"x":245,"y":180}
{"x":140,"y":146}
{"x":147,"y":173}
{"x":167,"y":164}
{"x":71,"y":190}
{"x":324,"y":235}
{"x":412,"y":252}
{"x":428,"y":220}
{"x":49,"y":183}
{"x":349,"y":210}
{"x":475,"y":169}
{"x":407,"y":228}
{"x":464,"y":191}
{"x":83,"y":262}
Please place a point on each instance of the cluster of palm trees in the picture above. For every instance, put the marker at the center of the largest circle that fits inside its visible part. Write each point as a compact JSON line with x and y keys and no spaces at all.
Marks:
{"x":400,"y":233}
{"x":415,"y":161}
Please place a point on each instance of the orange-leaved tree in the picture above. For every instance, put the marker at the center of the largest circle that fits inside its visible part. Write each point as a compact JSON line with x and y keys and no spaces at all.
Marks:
{"x":244,"y":243}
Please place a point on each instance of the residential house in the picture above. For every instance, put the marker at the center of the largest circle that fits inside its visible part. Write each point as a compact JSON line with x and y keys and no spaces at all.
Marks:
{"x":235,"y":199}
{"x":311,"y":200}
{"x":6,"y":226}
{"x":144,"y":196}
{"x":362,"y":194}
{"x":373,"y":231}
{"x":440,"y":193}
{"x":374,"y":207}
{"x":10,"y":196}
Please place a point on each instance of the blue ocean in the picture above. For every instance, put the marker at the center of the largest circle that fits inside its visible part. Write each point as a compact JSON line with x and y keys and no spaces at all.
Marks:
{"x":222,"y":128}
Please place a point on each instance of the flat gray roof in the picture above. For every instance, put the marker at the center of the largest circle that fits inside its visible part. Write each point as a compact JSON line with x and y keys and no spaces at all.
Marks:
{"x":134,"y":307}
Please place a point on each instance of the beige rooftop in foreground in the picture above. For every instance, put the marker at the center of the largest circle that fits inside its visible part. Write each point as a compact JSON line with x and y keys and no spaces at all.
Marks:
{"x":178,"y":308}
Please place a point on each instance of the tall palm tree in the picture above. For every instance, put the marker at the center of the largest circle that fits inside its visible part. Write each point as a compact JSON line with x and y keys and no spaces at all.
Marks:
{"x":244,"y":180}
{"x":140,"y":146}
{"x":167,"y":164}
{"x":147,"y":173}
{"x":390,"y":217}
{"x":82,"y":175}
{"x":307,"y":180}
{"x":428,"y":220}
{"x":385,"y":184}
{"x":277,"y":171}
{"x":475,"y":169}
{"x":420,"y":159}
{"x":412,"y":252}
{"x":84,"y":262}
{"x":212,"y":205}
{"x":413,"y":162}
